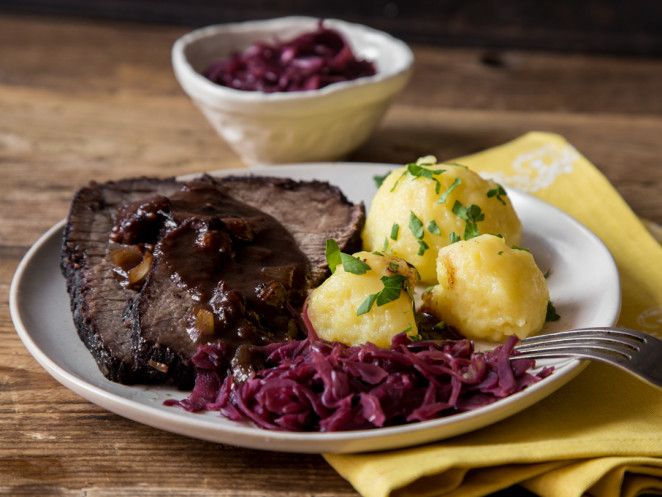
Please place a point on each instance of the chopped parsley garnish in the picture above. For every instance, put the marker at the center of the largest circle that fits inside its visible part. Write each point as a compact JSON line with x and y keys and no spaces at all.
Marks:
{"x":379,"y":179}
{"x":448,"y":191}
{"x":498,"y":192}
{"x":433,"y":228}
{"x":395,"y":229}
{"x":417,"y":229}
{"x":393,"y":267}
{"x":418,"y":171}
{"x":454,"y":237}
{"x":415,"y":225}
{"x":391,"y":291}
{"x":392,"y":286}
{"x":407,"y":329}
{"x":349,"y":263}
{"x":353,"y":264}
{"x":471,"y":216}
{"x":439,"y":326}
{"x":366,"y":305}
{"x":385,"y":245}
{"x":551,"y":314}
{"x":332,"y":253}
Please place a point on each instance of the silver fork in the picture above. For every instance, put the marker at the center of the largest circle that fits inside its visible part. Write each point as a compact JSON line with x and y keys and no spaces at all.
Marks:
{"x":630,"y":350}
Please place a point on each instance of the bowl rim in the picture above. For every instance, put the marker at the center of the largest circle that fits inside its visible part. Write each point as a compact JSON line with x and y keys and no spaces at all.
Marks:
{"x":184,"y":69}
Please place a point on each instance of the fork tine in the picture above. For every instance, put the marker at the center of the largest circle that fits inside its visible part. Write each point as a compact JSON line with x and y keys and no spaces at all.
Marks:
{"x":613,"y":333}
{"x":566,"y":349}
{"x":582,"y":340}
{"x":630,"y":350}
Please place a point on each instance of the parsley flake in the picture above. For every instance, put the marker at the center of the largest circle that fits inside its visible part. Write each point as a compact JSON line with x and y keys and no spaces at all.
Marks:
{"x":433,"y":228}
{"x":353,"y":264}
{"x":393,"y":285}
{"x":332,"y":253}
{"x":349,"y":263}
{"x":441,"y":325}
{"x":498,"y":193}
{"x":418,"y":171}
{"x":407,"y":329}
{"x":471,"y":216}
{"x":448,"y":191}
{"x":416,"y":226}
{"x":551,"y":314}
{"x":393,"y":267}
{"x":422,"y":247}
{"x":395,"y":229}
{"x":379,"y":179}
{"x":366,"y":305}
{"x":454,"y":237}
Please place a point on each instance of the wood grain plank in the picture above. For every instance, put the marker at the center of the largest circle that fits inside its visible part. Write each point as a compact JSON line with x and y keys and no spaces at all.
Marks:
{"x":122,"y":59}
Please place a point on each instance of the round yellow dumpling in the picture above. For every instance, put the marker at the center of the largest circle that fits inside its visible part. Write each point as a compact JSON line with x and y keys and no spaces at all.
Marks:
{"x":337,"y":308}
{"x":487,"y":290}
{"x":422,"y":207}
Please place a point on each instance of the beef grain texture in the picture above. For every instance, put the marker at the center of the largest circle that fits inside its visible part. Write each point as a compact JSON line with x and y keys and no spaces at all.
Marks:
{"x":103,"y":311}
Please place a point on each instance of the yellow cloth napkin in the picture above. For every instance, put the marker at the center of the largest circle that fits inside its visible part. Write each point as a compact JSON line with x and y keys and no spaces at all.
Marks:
{"x":602,"y":433}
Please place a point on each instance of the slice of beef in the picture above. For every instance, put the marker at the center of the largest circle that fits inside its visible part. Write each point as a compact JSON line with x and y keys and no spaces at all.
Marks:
{"x":97,"y":300}
{"x":313,"y":211}
{"x":230,"y":263}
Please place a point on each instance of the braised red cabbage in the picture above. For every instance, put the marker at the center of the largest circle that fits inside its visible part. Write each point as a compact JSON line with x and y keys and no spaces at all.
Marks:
{"x":312,"y":385}
{"x":310,"y":61}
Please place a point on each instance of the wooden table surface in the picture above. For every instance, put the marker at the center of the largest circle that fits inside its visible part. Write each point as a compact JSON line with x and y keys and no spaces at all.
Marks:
{"x":82,"y":101}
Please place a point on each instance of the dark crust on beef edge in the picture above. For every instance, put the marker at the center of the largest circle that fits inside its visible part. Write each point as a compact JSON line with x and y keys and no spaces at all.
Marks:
{"x":97,"y":302}
{"x":80,"y":257}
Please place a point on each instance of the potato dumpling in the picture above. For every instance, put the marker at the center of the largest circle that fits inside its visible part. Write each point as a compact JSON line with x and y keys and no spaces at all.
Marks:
{"x":334,"y":306}
{"x":421,"y":207}
{"x":488,"y":290}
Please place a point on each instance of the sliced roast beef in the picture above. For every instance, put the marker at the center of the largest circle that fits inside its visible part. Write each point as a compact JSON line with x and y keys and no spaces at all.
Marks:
{"x":313,"y":211}
{"x":227,"y":271}
{"x":108,"y":314}
{"x":98,"y":302}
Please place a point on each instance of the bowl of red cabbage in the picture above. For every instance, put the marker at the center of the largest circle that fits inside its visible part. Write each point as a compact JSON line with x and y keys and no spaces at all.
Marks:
{"x":292,"y":89}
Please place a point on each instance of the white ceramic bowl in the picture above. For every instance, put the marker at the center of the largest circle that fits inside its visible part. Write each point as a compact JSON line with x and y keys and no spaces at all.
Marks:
{"x":316,"y":125}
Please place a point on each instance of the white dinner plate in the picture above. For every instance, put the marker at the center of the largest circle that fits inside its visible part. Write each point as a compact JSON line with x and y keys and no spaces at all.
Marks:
{"x":584,"y":287}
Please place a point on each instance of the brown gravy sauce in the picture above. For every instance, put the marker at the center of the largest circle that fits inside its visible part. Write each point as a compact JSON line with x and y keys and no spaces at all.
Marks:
{"x":239,"y":265}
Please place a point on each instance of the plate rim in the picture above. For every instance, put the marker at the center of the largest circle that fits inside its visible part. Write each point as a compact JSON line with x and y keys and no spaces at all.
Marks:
{"x":261,"y":438}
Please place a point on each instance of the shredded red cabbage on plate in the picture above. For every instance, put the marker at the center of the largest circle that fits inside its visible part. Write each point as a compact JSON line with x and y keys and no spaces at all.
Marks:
{"x":312,"y":385}
{"x":310,"y":61}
